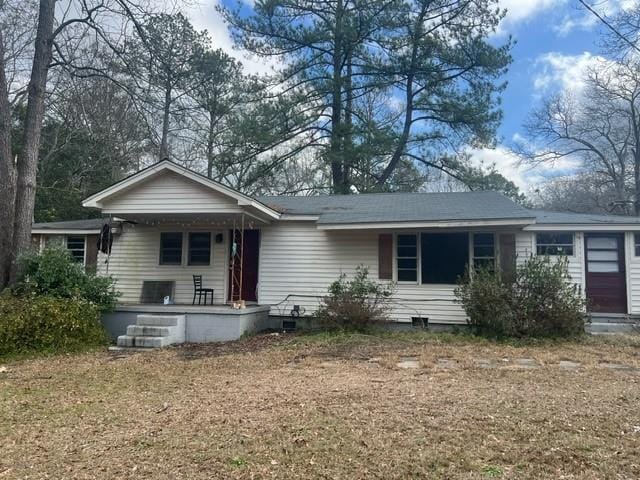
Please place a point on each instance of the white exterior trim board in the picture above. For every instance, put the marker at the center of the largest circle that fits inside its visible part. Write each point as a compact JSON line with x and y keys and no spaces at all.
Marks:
{"x":63,"y":231}
{"x":431,"y":224}
{"x":583,"y":228}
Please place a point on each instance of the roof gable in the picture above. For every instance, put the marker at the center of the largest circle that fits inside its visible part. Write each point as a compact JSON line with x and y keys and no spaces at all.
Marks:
{"x":170,"y":188}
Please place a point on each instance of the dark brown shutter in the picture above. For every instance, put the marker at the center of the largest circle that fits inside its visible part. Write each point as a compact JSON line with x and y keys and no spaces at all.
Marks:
{"x":508,"y":256}
{"x":385,"y":256}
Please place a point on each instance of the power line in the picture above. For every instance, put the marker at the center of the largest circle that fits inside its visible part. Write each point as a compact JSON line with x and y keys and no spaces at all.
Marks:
{"x":609,"y":26}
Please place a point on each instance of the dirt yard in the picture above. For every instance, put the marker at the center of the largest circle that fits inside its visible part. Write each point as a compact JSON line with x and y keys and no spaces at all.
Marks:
{"x":350,"y":407}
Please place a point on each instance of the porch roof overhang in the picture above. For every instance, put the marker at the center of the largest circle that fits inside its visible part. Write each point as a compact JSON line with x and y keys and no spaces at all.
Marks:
{"x":498,"y":222}
{"x":64,"y":231}
{"x":193,"y":219}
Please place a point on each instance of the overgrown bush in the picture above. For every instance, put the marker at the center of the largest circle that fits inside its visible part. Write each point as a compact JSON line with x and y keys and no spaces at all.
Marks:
{"x":356,"y":304}
{"x":46,"y":323}
{"x":541,"y":301}
{"x":54,"y":273}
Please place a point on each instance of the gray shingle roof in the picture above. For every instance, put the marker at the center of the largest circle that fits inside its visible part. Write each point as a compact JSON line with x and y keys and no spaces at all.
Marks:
{"x":88,"y":224}
{"x":401,"y":207}
{"x":544,"y":217}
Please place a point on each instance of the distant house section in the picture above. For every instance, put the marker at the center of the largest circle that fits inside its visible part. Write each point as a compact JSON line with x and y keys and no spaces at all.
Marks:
{"x":80,"y":237}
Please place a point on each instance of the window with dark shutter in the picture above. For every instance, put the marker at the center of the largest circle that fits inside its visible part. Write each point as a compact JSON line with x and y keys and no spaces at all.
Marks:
{"x":407,"y":257}
{"x":385,"y":256}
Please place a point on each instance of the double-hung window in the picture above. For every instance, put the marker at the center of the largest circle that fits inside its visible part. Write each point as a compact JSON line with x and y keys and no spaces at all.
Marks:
{"x":76,"y":246}
{"x":556,"y":243}
{"x":199,"y":248}
{"x":407,"y":257}
{"x":484,"y":251}
{"x":171,"y":248}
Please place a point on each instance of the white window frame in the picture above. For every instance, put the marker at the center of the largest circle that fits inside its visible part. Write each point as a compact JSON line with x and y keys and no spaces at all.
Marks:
{"x":84,"y":246}
{"x":395,"y":258}
{"x":472,"y":256}
{"x":573,"y":244}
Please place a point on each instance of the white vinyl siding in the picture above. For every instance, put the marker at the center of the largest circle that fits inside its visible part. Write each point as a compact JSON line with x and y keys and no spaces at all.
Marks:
{"x":633,"y":275}
{"x":169,"y":193}
{"x":298,"y":259}
{"x":134,"y":258}
{"x":526,"y":246}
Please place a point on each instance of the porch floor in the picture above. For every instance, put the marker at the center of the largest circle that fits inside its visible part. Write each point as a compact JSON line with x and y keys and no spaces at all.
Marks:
{"x":219,"y":308}
{"x":202,"y":323}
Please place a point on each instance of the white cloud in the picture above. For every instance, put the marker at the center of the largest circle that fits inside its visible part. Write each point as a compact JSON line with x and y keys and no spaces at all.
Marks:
{"x":557,"y":71}
{"x":526,"y":177}
{"x":521,"y":10}
{"x":582,"y":19}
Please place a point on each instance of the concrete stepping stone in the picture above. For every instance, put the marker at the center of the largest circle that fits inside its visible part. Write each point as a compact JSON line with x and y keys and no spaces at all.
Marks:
{"x":408,"y":363}
{"x":525,"y":363}
{"x":616,"y":366}
{"x":447,"y":363}
{"x":485,"y":363}
{"x":569,"y":365}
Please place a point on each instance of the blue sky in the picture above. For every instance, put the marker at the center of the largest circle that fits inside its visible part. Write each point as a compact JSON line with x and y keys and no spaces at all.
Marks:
{"x":556,"y":41}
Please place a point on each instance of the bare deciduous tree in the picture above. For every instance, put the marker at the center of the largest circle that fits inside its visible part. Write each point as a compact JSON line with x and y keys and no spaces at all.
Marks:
{"x":599,"y":127}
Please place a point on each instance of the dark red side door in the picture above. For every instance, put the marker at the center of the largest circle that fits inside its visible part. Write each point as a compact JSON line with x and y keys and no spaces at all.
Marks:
{"x":250,"y":259}
{"x":606,"y":287}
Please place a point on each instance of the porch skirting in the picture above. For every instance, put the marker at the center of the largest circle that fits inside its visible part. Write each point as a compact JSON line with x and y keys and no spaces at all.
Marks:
{"x":211,"y":323}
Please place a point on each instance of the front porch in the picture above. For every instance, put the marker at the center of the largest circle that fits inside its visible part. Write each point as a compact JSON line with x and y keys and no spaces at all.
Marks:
{"x":197,"y":323}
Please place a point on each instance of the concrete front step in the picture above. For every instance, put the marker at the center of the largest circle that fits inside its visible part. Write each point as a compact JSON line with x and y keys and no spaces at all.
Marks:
{"x":613,"y":318}
{"x":160,"y":320}
{"x":143,"y":342}
{"x":150,"y":331}
{"x":610,"y":327}
{"x":154,"y":331}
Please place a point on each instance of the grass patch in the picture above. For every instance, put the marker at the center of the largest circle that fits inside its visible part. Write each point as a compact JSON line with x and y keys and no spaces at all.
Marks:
{"x":326,"y":406}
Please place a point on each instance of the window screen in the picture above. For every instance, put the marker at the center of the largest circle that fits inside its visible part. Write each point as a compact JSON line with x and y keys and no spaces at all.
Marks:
{"x":444,"y":257}
{"x":171,"y":248}
{"x":407,"y":258}
{"x":199,"y":248}
{"x":554,"y":244}
{"x":75,"y":245}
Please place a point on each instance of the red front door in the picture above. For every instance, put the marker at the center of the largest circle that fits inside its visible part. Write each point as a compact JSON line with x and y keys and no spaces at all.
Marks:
{"x":606,"y":287}
{"x":250,"y":258}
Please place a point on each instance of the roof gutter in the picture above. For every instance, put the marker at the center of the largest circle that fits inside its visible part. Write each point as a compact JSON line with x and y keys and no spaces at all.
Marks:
{"x":430,"y":224}
{"x":583,"y":227}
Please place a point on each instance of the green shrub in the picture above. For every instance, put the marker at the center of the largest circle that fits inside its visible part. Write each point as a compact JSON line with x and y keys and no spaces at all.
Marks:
{"x":54,"y":273}
{"x":46,"y":323}
{"x":355,"y":305}
{"x":541,"y":301}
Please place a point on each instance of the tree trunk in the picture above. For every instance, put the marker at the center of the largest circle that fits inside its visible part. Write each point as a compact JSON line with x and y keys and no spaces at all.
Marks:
{"x":28,"y":163}
{"x":164,"y":149}
{"x":347,"y":148}
{"x":335,"y":149}
{"x":636,"y":181}
{"x":7,"y":176}
{"x":210,"y":147}
{"x":401,"y":146}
